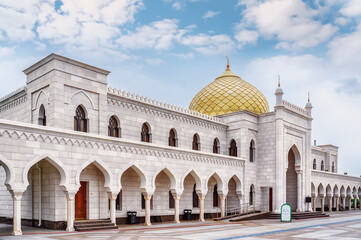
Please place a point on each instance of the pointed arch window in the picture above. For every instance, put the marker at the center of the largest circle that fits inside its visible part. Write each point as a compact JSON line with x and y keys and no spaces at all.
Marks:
{"x":216,"y":145}
{"x":252,"y":151}
{"x":314,"y":164}
{"x":251,"y":195}
{"x":171,"y":200}
{"x":172,"y":140}
{"x":333,"y":166}
{"x":215,"y":196}
{"x":42,"y":116}
{"x":113,"y":127}
{"x":145,"y":134}
{"x":233,"y":148}
{"x":322,"y":166}
{"x":196,"y":144}
{"x":80,"y":120}
{"x":195,"y":197}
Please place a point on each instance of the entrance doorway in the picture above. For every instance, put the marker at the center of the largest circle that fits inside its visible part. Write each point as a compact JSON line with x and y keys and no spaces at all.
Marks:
{"x":81,"y":202}
{"x":270,"y":202}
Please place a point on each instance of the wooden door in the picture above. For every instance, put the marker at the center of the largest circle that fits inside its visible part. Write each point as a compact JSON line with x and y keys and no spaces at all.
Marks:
{"x":81,"y":202}
{"x":270,"y":199}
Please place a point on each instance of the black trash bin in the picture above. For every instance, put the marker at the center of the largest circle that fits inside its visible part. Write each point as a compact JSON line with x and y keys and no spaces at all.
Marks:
{"x":131,"y":217}
{"x":187,"y":214}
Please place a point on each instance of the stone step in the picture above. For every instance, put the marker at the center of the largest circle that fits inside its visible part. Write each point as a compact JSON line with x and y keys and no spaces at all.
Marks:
{"x":94,"y":225}
{"x":85,"y":228}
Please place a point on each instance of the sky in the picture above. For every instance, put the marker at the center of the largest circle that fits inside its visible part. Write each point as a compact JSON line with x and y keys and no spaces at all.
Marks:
{"x":170,"y":49}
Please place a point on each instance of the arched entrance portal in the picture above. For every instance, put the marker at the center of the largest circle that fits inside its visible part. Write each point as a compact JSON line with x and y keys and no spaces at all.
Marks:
{"x":291,"y":181}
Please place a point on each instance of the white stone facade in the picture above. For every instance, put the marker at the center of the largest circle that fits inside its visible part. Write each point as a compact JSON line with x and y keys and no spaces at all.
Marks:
{"x":43,"y":166}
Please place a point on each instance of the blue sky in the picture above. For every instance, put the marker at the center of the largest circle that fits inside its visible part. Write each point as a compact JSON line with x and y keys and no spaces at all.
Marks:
{"x":170,"y":49}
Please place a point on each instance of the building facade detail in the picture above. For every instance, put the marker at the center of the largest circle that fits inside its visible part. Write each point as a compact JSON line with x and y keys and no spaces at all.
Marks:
{"x":71,"y":148}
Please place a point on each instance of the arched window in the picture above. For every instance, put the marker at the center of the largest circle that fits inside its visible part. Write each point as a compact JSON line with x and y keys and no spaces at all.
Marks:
{"x":196,"y":143}
{"x":145,"y":134}
{"x":333,"y":166}
{"x":119,"y":201}
{"x":80,"y":121}
{"x":172,"y":140}
{"x":216,"y":145}
{"x":322,"y":166}
{"x":171,"y":200}
{"x":233,"y":148}
{"x":252,"y":151}
{"x":113,"y":127}
{"x":42,"y":116}
{"x":314,"y":164}
{"x":215,"y":196}
{"x":251,"y":195}
{"x":195,"y":197}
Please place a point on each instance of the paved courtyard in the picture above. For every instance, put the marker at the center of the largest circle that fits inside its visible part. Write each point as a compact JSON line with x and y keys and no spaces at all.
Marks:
{"x":337,"y":226}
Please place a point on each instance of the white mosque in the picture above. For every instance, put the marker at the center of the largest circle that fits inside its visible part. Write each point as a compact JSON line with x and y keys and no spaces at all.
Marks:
{"x":73,"y":149}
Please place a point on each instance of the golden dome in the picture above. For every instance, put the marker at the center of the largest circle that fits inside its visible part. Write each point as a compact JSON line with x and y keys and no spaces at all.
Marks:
{"x":229,"y":93}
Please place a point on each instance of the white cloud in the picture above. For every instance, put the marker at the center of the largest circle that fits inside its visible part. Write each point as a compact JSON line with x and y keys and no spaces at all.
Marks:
{"x":292,"y":22}
{"x":154,"y":61}
{"x":177,"y":6}
{"x":16,"y":26}
{"x":6,"y":51}
{"x":158,"y":35}
{"x":341,"y":21}
{"x":246,"y":36}
{"x":352,"y":8}
{"x":345,"y":53}
{"x":209,"y":45}
{"x":210,"y":14}
{"x":185,"y":56}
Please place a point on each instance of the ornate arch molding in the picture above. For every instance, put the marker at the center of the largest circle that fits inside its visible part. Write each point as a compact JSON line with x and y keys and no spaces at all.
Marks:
{"x":38,"y":96}
{"x":238,"y":181}
{"x":222,"y":189}
{"x":103,"y":168}
{"x":195,"y":175}
{"x":53,"y":161}
{"x":9,"y":170}
{"x":298,"y":159}
{"x":173,"y":180}
{"x":85,"y":94}
{"x":141,"y":173}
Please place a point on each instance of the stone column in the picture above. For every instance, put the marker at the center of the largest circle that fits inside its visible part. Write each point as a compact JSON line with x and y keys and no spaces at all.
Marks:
{"x":349,"y":203}
{"x":355,"y":203}
{"x":112,"y":197}
{"x":222,"y":197}
{"x":337,"y":202}
{"x":359,"y":196}
{"x":176,"y":207}
{"x":299,"y":191}
{"x":239,"y":195}
{"x":330,"y":203}
{"x":322,"y":203}
{"x":201,"y":206}
{"x":314,"y":203}
{"x":344,"y":202}
{"x":70,"y":213}
{"x":147,"y":197}
{"x":17,"y":195}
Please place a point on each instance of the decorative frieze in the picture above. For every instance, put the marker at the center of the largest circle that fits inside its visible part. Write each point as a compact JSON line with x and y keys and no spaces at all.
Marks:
{"x":122,"y":146}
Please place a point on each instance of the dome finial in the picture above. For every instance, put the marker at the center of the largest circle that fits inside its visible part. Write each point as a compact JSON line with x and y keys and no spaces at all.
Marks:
{"x":308,"y":96}
{"x":279,"y":81}
{"x":227,"y":64}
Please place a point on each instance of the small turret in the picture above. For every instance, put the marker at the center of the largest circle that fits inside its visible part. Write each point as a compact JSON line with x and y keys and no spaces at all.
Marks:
{"x":309,"y":106}
{"x":279,"y":93}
